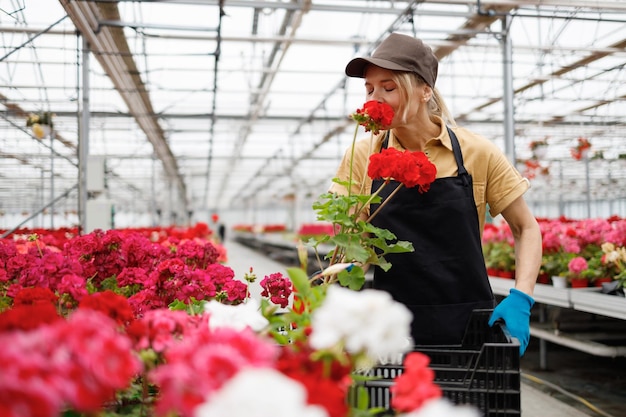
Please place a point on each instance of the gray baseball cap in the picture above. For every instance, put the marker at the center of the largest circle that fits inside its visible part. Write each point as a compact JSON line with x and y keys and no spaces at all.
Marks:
{"x":399,"y":53}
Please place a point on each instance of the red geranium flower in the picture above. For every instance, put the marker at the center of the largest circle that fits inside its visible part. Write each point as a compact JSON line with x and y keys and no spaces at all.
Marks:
{"x":415,"y":385}
{"x":277,"y":288}
{"x":327,"y":383}
{"x":582,"y":146}
{"x":374,"y":116}
{"x":409,"y":168}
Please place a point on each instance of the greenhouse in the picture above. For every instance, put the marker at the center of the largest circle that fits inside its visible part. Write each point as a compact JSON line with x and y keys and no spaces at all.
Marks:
{"x":241,"y":107}
{"x":169,"y":156}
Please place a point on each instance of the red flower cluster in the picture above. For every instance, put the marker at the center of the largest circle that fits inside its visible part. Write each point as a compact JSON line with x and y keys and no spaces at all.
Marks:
{"x":151,"y":275}
{"x":316,"y":229}
{"x":199,"y":364}
{"x":415,"y":385}
{"x":374,"y":116}
{"x":535,"y":144}
{"x":277,"y":288}
{"x":79,"y":363}
{"x":113,"y":305}
{"x":409,"y":168}
{"x":532,"y":167}
{"x":582,"y":146}
{"x":327,"y":384}
{"x":28,"y":317}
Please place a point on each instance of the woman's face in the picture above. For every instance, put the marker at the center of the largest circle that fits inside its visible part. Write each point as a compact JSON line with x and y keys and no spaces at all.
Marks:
{"x":380,"y":86}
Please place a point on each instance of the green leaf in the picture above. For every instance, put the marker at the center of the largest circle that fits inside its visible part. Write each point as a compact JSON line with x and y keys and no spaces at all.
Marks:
{"x":383,"y":264}
{"x":402,"y":246}
{"x":353,"y":279}
{"x":178,"y":305}
{"x":300,"y":280}
{"x":363,"y":398}
{"x":356,"y":252}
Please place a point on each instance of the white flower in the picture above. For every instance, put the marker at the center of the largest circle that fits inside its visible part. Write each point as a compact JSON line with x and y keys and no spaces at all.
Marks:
{"x":260,"y":392}
{"x":367,"y":321}
{"x":237,"y":317}
{"x":442,"y":407}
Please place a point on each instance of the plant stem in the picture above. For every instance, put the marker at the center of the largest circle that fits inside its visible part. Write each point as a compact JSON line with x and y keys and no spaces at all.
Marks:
{"x":337,"y":255}
{"x":356,"y":131}
{"x":369,"y":219}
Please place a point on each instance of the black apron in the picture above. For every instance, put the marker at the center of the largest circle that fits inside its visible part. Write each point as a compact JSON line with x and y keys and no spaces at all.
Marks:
{"x":445,"y":278}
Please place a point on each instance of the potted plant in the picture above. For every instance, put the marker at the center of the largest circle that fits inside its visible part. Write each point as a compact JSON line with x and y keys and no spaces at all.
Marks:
{"x":538,"y":148}
{"x":356,"y":241}
{"x":614,"y":262}
{"x":40,"y":123}
{"x":578,"y":272}
{"x":500,"y":259}
{"x":581,"y":150}
{"x":557,"y":264}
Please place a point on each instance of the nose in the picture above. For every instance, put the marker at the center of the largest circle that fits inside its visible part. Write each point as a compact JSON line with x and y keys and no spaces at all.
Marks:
{"x":377,"y":96}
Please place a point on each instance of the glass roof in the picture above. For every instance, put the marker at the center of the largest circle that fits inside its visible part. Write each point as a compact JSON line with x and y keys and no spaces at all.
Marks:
{"x":201,"y":106}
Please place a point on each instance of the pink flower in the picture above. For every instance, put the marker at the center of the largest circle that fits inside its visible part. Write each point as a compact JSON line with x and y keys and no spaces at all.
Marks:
{"x":577,"y":265}
{"x":73,"y":285}
{"x":220,"y":274}
{"x":202,"y":362}
{"x":159,"y":329}
{"x":132,"y":276}
{"x":28,"y":385}
{"x":236,"y":291}
{"x":278,"y":288}
{"x":79,"y":363}
{"x":100,"y":359}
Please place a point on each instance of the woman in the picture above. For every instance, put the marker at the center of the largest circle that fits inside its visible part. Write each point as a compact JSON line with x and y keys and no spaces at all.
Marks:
{"x":445,"y":278}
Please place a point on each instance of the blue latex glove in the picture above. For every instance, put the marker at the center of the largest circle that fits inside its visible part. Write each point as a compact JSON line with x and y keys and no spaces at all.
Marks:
{"x":515,"y":311}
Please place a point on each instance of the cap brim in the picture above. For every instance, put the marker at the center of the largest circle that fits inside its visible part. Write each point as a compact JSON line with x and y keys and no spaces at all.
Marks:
{"x":356,"y":67}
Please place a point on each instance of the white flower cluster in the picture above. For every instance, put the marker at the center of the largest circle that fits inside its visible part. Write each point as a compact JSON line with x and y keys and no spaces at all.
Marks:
{"x":613,"y":253}
{"x":367,"y":321}
{"x":260,"y":392}
{"x":238,"y":317}
{"x":442,"y":407}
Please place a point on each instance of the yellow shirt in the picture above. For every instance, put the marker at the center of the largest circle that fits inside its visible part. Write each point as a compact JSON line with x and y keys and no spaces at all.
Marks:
{"x":496,"y":181}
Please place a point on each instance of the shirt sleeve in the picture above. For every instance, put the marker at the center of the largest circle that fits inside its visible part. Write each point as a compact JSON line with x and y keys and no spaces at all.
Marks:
{"x":504,"y":183}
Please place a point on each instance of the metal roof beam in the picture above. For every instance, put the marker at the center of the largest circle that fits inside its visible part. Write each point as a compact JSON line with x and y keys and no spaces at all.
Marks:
{"x":111,"y":49}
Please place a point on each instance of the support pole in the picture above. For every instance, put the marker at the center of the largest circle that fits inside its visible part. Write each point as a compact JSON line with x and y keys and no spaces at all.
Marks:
{"x":507,"y":85}
{"x":52,"y":178}
{"x":587,"y":184}
{"x":83,"y":140}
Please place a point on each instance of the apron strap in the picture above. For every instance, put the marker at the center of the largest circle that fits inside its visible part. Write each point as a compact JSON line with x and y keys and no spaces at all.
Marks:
{"x":456,"y":148}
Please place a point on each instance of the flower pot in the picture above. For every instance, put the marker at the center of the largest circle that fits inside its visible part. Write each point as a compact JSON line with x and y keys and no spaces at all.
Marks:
{"x":559,"y":282}
{"x":543,"y":279}
{"x":598,"y":282}
{"x":579,"y":282}
{"x":506,"y":274}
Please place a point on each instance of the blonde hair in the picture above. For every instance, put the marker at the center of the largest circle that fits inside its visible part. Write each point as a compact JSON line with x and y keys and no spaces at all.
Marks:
{"x":408,"y":82}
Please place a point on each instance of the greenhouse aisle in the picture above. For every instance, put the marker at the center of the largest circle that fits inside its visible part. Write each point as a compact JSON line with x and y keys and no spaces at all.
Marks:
{"x":535,"y":403}
{"x":242,"y":258}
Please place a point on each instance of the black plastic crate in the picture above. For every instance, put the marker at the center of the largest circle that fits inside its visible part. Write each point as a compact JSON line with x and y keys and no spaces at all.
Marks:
{"x":483,"y":371}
